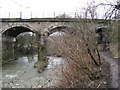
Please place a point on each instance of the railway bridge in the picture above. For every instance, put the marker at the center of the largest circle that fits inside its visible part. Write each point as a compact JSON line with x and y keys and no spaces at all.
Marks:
{"x":42,"y":27}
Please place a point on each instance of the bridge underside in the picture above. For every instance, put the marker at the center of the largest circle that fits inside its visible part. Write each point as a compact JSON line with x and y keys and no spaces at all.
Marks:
{"x":8,"y":41}
{"x":14,"y":31}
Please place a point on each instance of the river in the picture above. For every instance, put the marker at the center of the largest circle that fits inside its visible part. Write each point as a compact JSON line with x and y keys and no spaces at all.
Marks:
{"x":22,"y":74}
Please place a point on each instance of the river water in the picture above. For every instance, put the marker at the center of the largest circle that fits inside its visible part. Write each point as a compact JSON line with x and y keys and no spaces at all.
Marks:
{"x":22,"y":74}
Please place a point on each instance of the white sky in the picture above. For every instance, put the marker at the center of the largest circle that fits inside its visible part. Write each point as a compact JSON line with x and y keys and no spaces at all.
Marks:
{"x":42,"y":8}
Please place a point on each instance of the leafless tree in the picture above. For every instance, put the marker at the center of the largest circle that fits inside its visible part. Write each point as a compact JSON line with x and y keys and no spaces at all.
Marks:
{"x":111,"y":10}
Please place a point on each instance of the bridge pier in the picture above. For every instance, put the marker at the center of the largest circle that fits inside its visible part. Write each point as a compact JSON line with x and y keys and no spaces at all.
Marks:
{"x":42,"y":59}
{"x":7,"y":49}
{"x":41,"y":48}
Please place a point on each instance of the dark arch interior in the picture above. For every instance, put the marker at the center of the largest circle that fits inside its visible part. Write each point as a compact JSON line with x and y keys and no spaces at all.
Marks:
{"x":14,"y":31}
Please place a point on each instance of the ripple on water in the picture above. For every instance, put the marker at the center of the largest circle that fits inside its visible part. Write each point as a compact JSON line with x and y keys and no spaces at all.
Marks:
{"x":22,"y":73}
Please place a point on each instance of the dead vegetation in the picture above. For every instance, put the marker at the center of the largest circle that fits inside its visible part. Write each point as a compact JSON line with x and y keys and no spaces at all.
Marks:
{"x":79,"y":49}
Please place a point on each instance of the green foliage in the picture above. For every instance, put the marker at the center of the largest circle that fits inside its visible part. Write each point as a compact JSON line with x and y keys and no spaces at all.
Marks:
{"x":25,"y":44}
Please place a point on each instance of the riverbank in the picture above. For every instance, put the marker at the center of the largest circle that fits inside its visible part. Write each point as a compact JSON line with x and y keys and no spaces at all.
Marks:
{"x":21,"y":74}
{"x":113,"y":62}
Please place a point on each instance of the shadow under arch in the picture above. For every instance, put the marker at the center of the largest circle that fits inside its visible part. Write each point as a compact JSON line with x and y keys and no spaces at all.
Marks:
{"x":9,"y":35}
{"x":14,"y":31}
{"x":59,"y":31}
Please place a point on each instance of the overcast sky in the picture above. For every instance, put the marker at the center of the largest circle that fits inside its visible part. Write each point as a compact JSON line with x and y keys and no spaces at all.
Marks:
{"x":43,"y":8}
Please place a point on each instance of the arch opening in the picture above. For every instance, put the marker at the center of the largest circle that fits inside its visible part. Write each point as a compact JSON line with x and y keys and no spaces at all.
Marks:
{"x":54,"y":34}
{"x":15,"y":31}
{"x":59,"y":29}
{"x":17,"y":41}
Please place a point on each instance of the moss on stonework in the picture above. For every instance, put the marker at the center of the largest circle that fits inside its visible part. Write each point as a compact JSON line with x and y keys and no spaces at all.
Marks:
{"x":41,"y":65}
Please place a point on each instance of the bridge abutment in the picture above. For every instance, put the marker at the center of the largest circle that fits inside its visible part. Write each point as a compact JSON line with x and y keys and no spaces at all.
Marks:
{"x":8,"y":53}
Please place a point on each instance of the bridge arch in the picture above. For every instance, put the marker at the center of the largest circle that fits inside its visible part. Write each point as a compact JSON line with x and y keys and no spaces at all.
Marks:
{"x":59,"y":28}
{"x":15,"y":30}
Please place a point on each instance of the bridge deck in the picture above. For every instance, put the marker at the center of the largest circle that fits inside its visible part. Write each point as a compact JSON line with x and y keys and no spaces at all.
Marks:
{"x":51,"y":20}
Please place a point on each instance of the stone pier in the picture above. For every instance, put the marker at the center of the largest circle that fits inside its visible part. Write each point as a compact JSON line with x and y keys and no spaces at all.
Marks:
{"x":7,"y":49}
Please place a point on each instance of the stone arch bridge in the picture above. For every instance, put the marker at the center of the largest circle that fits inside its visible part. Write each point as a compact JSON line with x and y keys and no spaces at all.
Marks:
{"x":9,"y":29}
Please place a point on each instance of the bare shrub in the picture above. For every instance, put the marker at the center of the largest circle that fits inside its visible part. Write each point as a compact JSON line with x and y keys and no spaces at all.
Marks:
{"x":80,"y":52}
